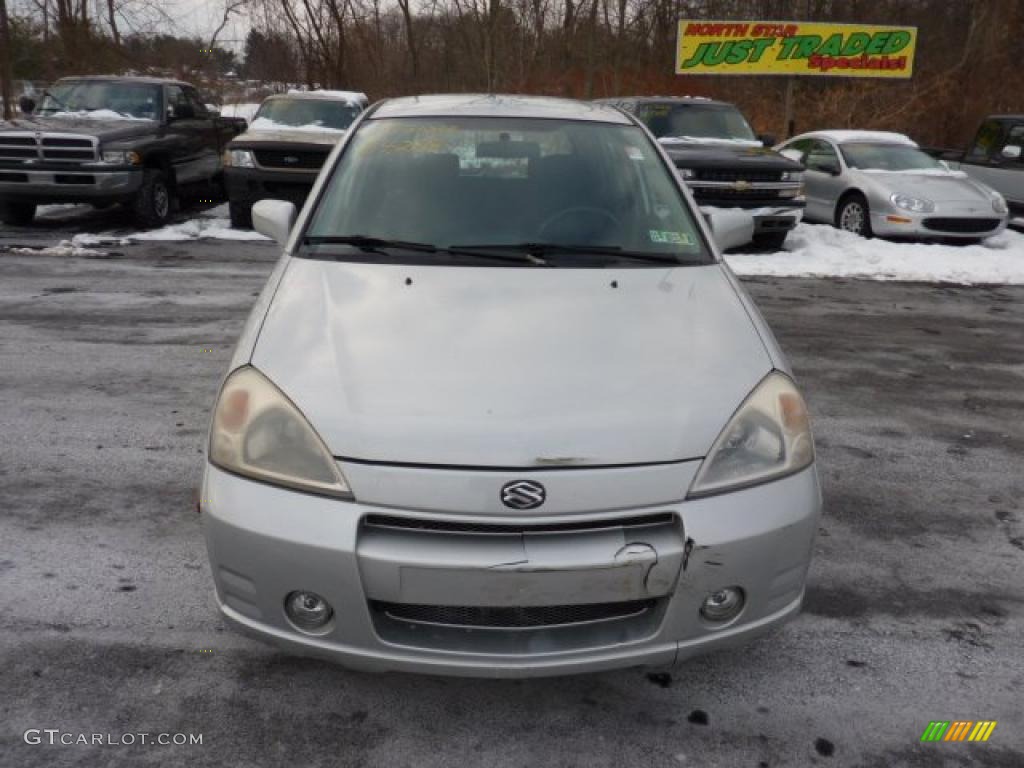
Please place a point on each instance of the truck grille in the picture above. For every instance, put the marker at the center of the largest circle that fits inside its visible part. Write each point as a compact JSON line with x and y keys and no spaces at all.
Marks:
{"x":48,"y":146}
{"x":969,"y":226}
{"x":725,"y":196}
{"x":513,"y":617}
{"x":292,"y":160}
{"x":727,"y":174}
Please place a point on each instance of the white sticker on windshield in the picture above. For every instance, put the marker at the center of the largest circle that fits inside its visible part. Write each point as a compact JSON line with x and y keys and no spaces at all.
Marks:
{"x":634,"y":153}
{"x":670,"y":238}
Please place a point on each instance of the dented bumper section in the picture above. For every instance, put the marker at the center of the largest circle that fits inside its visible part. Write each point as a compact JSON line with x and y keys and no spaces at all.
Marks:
{"x":505,"y":594}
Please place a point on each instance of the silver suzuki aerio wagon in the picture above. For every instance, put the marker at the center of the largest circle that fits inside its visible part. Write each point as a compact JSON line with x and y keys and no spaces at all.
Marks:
{"x":502,"y":410}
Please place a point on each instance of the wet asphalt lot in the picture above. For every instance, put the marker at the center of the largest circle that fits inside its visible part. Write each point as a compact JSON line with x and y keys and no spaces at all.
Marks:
{"x":915,"y":608}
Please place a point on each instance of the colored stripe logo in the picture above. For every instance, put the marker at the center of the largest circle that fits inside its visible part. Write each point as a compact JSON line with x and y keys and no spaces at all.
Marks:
{"x":958,"y":730}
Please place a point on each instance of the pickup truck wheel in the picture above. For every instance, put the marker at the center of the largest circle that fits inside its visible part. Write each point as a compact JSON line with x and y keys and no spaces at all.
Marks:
{"x":770,"y":241}
{"x":17,"y":214}
{"x":854,"y":215}
{"x":152,"y":204}
{"x":241,"y":215}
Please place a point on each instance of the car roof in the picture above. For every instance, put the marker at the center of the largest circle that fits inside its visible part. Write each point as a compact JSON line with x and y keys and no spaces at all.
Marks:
{"x":349,"y":97}
{"x":853,"y":137}
{"x":702,"y":100}
{"x":128,"y":79}
{"x":499,"y":105}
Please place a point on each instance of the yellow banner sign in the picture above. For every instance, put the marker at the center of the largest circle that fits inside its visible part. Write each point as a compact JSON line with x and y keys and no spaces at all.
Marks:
{"x":794,"y":48}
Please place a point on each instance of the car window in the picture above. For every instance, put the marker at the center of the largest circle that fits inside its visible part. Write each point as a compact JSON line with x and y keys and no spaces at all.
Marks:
{"x":505,"y":181}
{"x":192,"y":97}
{"x":175,"y":98}
{"x":313,"y":113}
{"x":1015,"y":138}
{"x":821,"y":156}
{"x":888,"y":157}
{"x":126,"y":98}
{"x":985,"y":142}
{"x":801,"y":146}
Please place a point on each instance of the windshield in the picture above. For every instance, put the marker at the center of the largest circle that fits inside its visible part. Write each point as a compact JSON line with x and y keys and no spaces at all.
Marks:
{"x":888,"y":157}
{"x":697,"y":121}
{"x":532,"y":185}
{"x":141,"y":100}
{"x":300,"y":113}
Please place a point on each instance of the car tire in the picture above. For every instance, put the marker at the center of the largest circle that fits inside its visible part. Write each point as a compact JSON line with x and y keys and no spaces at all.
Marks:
{"x":854,"y":215}
{"x":770,"y":241}
{"x":152,"y":204}
{"x":241,"y":215}
{"x":17,"y":214}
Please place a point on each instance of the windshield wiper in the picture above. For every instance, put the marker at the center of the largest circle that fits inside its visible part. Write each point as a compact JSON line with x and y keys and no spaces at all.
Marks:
{"x":364,"y":243}
{"x":377,"y":244}
{"x":538,"y":250}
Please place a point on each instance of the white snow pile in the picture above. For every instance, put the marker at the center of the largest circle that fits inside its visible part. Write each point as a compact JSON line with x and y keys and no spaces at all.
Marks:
{"x":266,"y":124}
{"x":670,"y":140}
{"x":245,"y":110}
{"x":97,"y":114}
{"x":212,"y":224}
{"x":63,"y":248}
{"x":823,"y":251}
{"x":353,"y":97}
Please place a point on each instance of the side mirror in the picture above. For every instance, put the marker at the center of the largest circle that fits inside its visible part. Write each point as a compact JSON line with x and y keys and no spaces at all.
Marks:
{"x":766,"y":139}
{"x":830,"y":168}
{"x":27,"y":105}
{"x":1011,"y":152}
{"x":183,"y":112}
{"x":730,"y":227}
{"x":792,"y":154}
{"x":274,"y":218}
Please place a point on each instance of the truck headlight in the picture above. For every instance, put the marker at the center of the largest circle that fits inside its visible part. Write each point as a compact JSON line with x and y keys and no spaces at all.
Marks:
{"x":257,"y":431}
{"x":768,"y":437}
{"x":792,"y":176}
{"x":119,"y":157}
{"x":999,"y":204}
{"x":913,"y":204}
{"x":239,"y":158}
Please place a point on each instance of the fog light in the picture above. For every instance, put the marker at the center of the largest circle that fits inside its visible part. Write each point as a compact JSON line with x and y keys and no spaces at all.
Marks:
{"x":307,"y":610}
{"x":723,"y":605}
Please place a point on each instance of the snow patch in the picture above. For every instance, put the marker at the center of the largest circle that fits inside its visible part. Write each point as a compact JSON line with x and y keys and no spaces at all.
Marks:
{"x":266,"y":124}
{"x":839,"y":136}
{"x":823,"y":251}
{"x":670,"y":140}
{"x":63,"y":248}
{"x":98,"y":114}
{"x":357,"y":98}
{"x":212,"y":224}
{"x":244,"y":110}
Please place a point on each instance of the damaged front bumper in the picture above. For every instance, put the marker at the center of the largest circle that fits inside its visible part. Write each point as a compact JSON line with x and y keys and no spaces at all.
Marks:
{"x":509,"y":594}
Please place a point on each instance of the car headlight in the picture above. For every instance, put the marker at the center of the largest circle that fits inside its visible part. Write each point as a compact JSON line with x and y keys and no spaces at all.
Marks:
{"x":257,"y":431}
{"x":914,"y":204}
{"x":239,"y":158}
{"x":686,"y":173}
{"x":119,"y":157}
{"x":999,"y":204}
{"x":792,"y":176}
{"x":769,"y":436}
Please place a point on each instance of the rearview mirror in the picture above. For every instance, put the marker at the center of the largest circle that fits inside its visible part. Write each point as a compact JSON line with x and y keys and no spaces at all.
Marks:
{"x":273,"y":218}
{"x":730,"y":228}
{"x":1011,"y":152}
{"x":27,"y":105}
{"x":825,"y":167}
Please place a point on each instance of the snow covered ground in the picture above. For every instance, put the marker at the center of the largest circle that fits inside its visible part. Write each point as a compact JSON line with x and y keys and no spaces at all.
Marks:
{"x":814,"y":250}
{"x":212,"y":224}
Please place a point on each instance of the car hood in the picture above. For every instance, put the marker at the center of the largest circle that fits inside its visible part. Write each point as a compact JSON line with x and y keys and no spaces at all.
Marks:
{"x":511,"y":367}
{"x":717,"y":155}
{"x":303,"y":136}
{"x":946,"y":188}
{"x":105,"y":130}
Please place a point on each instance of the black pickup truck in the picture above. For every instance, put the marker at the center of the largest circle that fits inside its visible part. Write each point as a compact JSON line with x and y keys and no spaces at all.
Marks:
{"x":138,"y":141}
{"x":996,"y":158}
{"x":722,"y":161}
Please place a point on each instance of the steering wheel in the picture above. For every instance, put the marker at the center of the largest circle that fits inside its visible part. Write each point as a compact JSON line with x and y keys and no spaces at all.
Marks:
{"x":576,"y":210}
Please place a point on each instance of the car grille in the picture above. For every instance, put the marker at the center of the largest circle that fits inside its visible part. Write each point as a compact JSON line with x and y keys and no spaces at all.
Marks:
{"x":949,"y":224}
{"x":456,"y":526}
{"x":514,"y":617}
{"x":291,"y":159}
{"x":46,"y":146}
{"x":726,"y":174}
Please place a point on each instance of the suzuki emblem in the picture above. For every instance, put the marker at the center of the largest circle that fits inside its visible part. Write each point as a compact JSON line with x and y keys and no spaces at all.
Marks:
{"x":523,"y":494}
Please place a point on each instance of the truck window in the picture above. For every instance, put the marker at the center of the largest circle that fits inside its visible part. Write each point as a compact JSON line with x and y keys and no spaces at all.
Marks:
{"x":197,"y":103}
{"x":986,"y":141}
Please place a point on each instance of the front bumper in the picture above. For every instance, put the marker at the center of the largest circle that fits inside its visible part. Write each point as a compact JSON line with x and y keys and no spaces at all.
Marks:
{"x":265,"y":542}
{"x":945,"y":223}
{"x":249,"y":185}
{"x":68,"y":185}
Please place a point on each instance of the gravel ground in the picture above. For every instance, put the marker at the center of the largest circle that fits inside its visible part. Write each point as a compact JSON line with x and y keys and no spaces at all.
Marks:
{"x":915,"y":608}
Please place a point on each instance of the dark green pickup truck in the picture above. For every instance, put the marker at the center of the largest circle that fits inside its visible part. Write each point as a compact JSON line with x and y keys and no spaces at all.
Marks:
{"x":137,"y":141}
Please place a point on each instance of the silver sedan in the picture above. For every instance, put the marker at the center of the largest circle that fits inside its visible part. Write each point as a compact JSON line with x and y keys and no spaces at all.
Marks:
{"x":880,"y":183}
